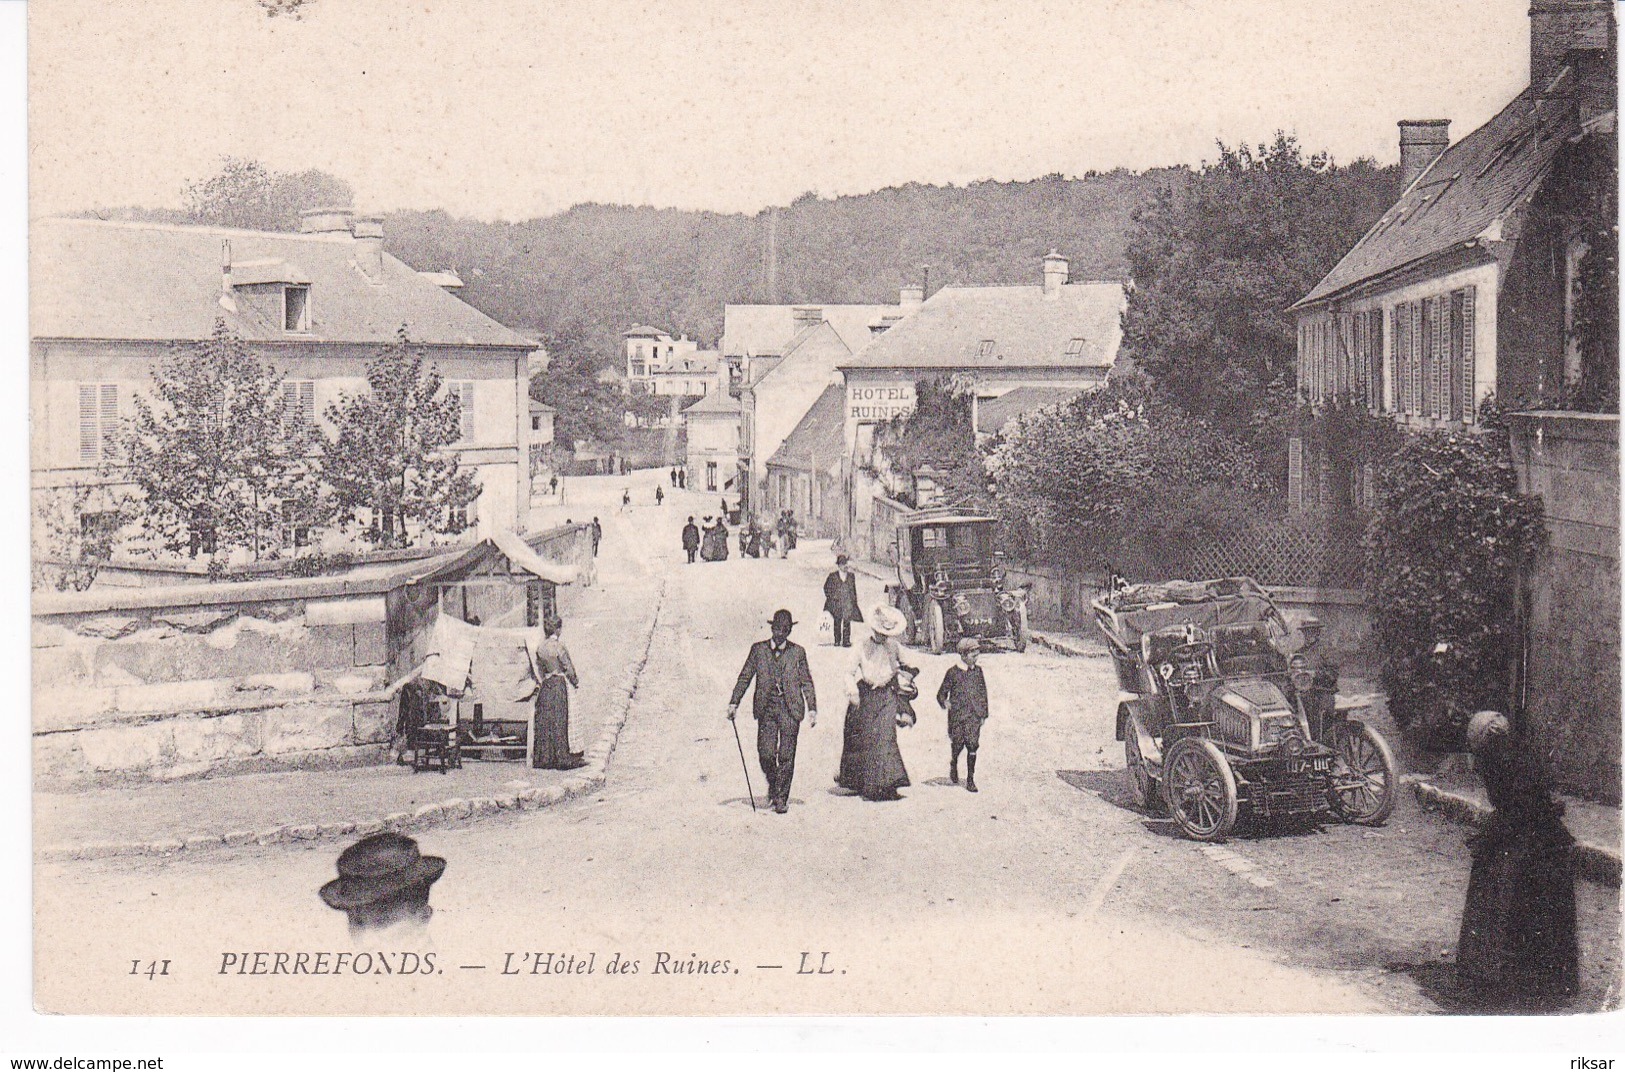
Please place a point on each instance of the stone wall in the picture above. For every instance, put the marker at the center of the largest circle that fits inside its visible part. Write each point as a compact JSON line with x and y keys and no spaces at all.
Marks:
{"x":251,"y":676}
{"x":148,"y":683}
{"x":1571,"y":678}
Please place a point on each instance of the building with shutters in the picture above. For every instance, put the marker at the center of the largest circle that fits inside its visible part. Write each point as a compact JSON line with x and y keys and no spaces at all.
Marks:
{"x":658,"y":364}
{"x":1465,"y":287}
{"x":108,"y":298}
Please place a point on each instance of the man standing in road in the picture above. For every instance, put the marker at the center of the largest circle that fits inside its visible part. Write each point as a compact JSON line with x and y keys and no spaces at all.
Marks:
{"x":597,"y":536}
{"x":691,"y":539}
{"x":841,"y":600}
{"x":784,"y":693}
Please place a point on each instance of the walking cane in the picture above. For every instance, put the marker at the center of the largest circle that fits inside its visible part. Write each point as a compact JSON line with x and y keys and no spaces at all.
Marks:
{"x":743,"y":764}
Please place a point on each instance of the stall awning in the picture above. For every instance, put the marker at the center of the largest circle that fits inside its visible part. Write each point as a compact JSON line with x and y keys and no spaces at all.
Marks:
{"x":522,"y":556}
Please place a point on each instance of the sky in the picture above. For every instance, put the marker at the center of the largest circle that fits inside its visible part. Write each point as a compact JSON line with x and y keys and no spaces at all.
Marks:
{"x":508,"y":110}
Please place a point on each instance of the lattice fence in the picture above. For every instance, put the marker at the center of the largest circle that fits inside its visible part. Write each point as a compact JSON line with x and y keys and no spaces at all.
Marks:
{"x":1303,"y":555}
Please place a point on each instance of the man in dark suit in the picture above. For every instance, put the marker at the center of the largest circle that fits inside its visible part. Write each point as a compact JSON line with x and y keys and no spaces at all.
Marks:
{"x":841,"y":600}
{"x":784,"y":693}
{"x":691,"y":539}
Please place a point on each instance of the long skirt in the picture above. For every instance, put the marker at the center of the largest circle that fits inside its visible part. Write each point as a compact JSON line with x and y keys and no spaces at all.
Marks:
{"x":871,"y":762}
{"x":550,"y":729}
{"x":1518,"y":943}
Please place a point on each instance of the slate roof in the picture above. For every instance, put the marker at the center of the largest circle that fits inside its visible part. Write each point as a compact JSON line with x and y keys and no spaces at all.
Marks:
{"x":644,"y":331}
{"x":994,"y":413}
{"x":94,"y":279}
{"x":817,"y":440}
{"x":1462,"y":196}
{"x":715,"y":404}
{"x":764,"y":329}
{"x":1027,"y":330}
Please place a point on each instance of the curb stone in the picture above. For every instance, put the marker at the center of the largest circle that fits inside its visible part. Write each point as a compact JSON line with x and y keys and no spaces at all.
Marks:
{"x":456,"y":809}
{"x":1061,"y":647}
{"x":1599,"y":863}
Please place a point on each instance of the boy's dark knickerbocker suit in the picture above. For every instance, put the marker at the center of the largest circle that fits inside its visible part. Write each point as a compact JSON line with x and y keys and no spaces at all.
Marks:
{"x":784,"y":694}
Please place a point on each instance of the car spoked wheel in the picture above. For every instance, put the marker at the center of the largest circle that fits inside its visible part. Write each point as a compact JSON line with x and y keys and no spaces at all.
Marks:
{"x":1200,"y":789}
{"x":1363,"y":776}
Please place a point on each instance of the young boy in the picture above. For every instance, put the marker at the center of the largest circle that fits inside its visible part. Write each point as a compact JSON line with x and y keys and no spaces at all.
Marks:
{"x":964,"y":696}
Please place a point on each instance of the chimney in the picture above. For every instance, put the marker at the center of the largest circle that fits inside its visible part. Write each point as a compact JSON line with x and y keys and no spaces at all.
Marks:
{"x":805,"y":316}
{"x":911,"y":297}
{"x":1556,"y":26}
{"x":1420,"y":143}
{"x":1055,"y":273}
{"x":369,"y":247}
{"x":328,"y":220}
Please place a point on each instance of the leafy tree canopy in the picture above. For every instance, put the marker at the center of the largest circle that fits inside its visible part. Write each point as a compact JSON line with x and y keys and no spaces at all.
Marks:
{"x":245,"y":193}
{"x":389,"y":466}
{"x":209,"y":454}
{"x":1217,"y":262}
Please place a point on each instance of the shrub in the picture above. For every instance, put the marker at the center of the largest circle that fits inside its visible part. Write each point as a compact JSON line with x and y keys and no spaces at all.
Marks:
{"x":1445,"y":547}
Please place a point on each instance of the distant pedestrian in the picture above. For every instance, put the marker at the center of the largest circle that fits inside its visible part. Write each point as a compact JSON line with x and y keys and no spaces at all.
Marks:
{"x":597,"y":536}
{"x":682,"y":478}
{"x":691,"y":539}
{"x":784,"y":693}
{"x":1518,"y":948}
{"x":841,"y":600}
{"x":553,"y":484}
{"x":963,"y":695}
{"x":626,"y":498}
{"x":660,"y":495}
{"x":714,"y":544}
{"x":674,"y":478}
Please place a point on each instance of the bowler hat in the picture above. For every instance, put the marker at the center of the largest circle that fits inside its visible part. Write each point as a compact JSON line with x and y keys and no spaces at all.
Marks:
{"x":781,"y":618}
{"x":841,"y":560}
{"x":378,"y":867}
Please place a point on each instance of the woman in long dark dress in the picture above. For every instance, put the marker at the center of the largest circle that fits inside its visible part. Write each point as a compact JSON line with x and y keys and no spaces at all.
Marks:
{"x":1518,"y":947}
{"x":871,"y":762}
{"x":550,"y":729}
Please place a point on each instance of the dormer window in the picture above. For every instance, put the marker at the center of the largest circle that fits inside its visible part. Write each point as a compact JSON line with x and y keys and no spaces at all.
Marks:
{"x":985,"y":349}
{"x":1074,"y":348}
{"x":296,"y":309}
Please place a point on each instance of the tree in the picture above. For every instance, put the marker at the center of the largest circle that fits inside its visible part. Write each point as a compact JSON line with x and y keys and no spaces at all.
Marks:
{"x":587,"y":409}
{"x":936,"y":434}
{"x":1217,"y":263}
{"x":390,"y":460}
{"x":1120,"y":478}
{"x":211,"y":460}
{"x":245,"y":193}
{"x":68,"y":552}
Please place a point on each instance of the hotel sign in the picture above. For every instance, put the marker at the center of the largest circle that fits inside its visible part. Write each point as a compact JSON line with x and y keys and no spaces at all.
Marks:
{"x":879,"y":402}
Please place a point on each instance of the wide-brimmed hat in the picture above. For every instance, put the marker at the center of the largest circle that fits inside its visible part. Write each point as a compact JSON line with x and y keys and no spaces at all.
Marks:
{"x":887,"y":621}
{"x":967,"y":645}
{"x":378,"y":867}
{"x":781,"y":618}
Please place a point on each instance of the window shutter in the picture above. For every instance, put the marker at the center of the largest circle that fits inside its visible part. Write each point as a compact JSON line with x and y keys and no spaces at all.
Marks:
{"x":88,"y":437}
{"x":1378,"y":379}
{"x":109,"y":420}
{"x":1469,"y":359}
{"x":1294,"y":474}
{"x":1414,"y":371}
{"x":466,"y":425}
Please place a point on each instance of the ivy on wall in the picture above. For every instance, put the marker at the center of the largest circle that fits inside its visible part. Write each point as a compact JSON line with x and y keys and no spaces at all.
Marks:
{"x":1446,"y":545}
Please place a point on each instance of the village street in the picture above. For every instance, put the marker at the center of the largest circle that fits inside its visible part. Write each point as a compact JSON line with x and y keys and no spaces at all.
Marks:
{"x":1044,"y":893}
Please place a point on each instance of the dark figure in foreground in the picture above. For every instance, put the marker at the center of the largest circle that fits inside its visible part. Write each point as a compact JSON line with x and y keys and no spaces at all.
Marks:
{"x":691,"y":539}
{"x":878,"y":692}
{"x":784,"y":693}
{"x":552,"y":668}
{"x":841,"y":600}
{"x":1518,"y":949}
{"x":963,"y":694}
{"x":383,"y":881}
